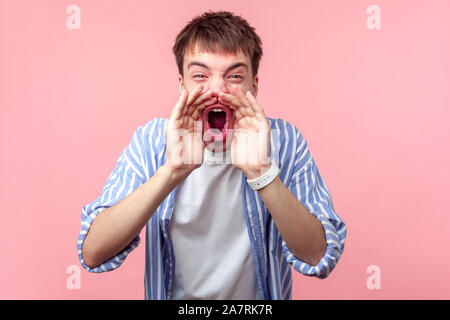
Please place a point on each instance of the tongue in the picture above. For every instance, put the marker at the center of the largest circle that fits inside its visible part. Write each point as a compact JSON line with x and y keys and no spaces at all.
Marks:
{"x":217,"y":120}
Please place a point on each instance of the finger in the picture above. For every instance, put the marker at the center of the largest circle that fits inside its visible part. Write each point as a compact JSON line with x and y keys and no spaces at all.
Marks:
{"x":205,"y":103}
{"x":249,"y":109}
{"x":234,"y":106}
{"x":235,"y":124}
{"x":230,"y":100}
{"x":256,"y":106}
{"x":206,"y":96}
{"x":176,"y":112}
{"x":192,"y":96}
{"x":235,"y":103}
{"x":238,"y":114}
{"x":198,"y":126}
{"x":197,"y":110}
{"x":242,"y":97}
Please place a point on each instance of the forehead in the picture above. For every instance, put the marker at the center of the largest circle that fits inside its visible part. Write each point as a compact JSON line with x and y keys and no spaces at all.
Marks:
{"x":219,"y":59}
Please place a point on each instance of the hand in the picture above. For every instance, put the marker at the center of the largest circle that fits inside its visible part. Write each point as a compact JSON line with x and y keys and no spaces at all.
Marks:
{"x":250,"y":147}
{"x":184,"y":141}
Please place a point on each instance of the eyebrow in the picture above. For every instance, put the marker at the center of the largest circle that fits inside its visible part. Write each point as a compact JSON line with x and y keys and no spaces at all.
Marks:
{"x":233,"y":66}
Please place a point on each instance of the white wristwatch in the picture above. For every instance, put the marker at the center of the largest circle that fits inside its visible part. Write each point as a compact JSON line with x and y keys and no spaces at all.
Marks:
{"x":266,"y":178}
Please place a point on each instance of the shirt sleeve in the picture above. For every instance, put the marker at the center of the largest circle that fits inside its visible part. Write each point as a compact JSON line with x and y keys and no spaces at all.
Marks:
{"x":127,"y":176}
{"x":310,"y":189}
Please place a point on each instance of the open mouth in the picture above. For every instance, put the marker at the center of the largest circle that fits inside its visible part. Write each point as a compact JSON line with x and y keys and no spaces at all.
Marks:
{"x":216,"y":118}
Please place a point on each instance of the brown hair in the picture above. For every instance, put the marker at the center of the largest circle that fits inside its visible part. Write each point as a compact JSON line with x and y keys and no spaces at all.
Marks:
{"x":219,"y":31}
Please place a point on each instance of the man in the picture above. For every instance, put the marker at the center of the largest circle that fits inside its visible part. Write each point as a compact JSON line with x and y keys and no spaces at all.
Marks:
{"x":231,"y":199}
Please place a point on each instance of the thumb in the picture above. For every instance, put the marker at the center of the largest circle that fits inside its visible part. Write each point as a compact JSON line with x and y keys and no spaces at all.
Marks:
{"x":198,"y":126}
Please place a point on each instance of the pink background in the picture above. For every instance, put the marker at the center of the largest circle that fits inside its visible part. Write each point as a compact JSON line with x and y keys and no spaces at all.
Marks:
{"x":373,"y":105}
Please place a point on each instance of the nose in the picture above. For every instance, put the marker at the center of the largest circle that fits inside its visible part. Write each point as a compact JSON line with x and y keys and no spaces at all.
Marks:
{"x":217,"y":86}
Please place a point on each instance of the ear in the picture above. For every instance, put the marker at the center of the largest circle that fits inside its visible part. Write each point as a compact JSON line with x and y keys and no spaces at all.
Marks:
{"x":255,"y":86}
{"x":180,"y":83}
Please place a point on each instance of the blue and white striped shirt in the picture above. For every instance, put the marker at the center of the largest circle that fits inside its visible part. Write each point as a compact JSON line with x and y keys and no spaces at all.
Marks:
{"x":273,"y":259}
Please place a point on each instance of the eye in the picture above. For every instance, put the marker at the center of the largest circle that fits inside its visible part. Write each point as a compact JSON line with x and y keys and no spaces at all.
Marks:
{"x":198,"y":76}
{"x":236,"y":76}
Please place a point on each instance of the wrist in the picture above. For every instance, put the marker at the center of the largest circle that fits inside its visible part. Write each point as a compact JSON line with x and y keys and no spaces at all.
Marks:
{"x":173,"y":175}
{"x":255,"y":173}
{"x":267,"y":176}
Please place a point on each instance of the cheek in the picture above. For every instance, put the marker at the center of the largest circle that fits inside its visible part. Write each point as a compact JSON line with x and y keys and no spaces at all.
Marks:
{"x":190,"y":85}
{"x":237,"y":88}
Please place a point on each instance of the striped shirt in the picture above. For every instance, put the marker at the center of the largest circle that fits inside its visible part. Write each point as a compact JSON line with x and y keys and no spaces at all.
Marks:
{"x":272,"y":257}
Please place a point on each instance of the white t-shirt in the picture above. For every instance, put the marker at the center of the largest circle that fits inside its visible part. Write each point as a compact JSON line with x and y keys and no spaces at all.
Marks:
{"x":212,"y":249}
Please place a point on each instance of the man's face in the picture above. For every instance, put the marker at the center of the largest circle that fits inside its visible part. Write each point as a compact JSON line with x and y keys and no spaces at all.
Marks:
{"x":221,"y":72}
